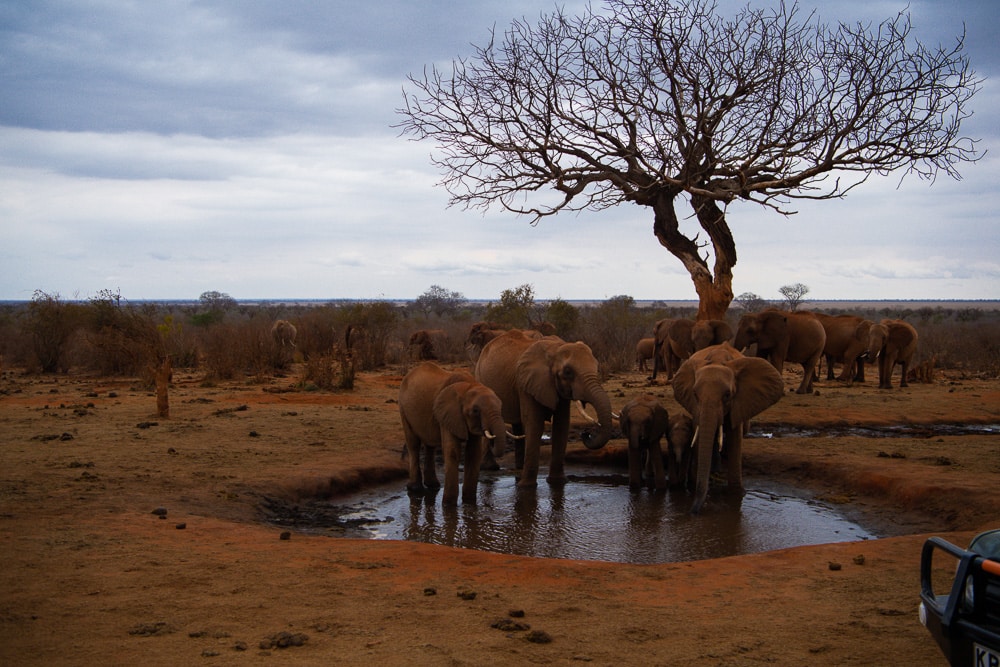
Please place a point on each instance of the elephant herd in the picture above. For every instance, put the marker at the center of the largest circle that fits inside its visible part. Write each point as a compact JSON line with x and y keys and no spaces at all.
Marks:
{"x":524,"y":379}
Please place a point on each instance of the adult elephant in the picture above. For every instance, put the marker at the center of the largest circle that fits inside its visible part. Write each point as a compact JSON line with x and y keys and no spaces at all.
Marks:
{"x":644,"y":422}
{"x":685,"y":337}
{"x":723,"y":390}
{"x":644,"y":352}
{"x":784,"y":336}
{"x":284,"y":333}
{"x":661,"y":345}
{"x":427,"y":344}
{"x":448,"y":410}
{"x":846,"y":342}
{"x":536,"y":380}
{"x":891,"y":342}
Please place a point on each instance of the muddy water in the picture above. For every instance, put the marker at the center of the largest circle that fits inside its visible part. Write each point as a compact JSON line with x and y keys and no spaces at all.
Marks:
{"x":593,"y":517}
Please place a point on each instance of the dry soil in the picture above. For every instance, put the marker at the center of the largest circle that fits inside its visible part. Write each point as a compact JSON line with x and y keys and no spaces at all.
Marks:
{"x":130,"y":539}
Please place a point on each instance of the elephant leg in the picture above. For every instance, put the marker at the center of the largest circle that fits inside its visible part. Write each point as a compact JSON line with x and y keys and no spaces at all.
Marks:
{"x":430,"y":469}
{"x":415,"y":482}
{"x":659,"y":478}
{"x":518,"y":430}
{"x":859,"y":375}
{"x":829,"y":367}
{"x":635,"y":466}
{"x":560,"y":436}
{"x":905,"y":365}
{"x":808,"y":373}
{"x":734,"y":462}
{"x":450,"y":450}
{"x":474,"y":450}
{"x":532,"y":443}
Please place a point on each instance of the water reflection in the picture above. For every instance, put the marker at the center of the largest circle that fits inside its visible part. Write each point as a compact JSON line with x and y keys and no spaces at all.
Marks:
{"x":594,"y":517}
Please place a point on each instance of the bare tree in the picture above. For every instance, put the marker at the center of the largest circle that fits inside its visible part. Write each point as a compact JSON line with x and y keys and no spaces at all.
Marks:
{"x":439,"y":301}
{"x":794,"y":295}
{"x":658,"y":102}
{"x":751,"y":302}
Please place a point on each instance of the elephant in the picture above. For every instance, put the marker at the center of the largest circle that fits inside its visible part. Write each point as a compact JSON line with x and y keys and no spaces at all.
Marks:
{"x":284,"y":333}
{"x":643,"y":352}
{"x":661,"y":344}
{"x":644,"y":422}
{"x":445,"y":409}
{"x":679,"y":443}
{"x":685,"y":337}
{"x":481,"y":333}
{"x":846,"y":342}
{"x":784,"y":336}
{"x":891,"y":342}
{"x":536,"y":380}
{"x":426,"y":344}
{"x":723,"y":390}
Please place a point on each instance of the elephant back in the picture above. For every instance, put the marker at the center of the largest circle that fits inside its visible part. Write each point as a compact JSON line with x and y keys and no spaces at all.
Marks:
{"x":497,"y":369}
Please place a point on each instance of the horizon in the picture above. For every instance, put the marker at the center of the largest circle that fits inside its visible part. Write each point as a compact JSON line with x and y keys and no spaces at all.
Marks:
{"x":995,"y":303}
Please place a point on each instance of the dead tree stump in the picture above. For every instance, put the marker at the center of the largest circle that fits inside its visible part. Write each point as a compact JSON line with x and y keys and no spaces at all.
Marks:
{"x":163,"y":374}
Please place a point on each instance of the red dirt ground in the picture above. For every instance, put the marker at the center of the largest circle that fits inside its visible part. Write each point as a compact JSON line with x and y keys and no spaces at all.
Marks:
{"x":91,"y":576}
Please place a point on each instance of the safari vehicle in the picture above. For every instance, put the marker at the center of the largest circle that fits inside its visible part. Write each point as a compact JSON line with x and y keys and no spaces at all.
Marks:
{"x":965,"y":622}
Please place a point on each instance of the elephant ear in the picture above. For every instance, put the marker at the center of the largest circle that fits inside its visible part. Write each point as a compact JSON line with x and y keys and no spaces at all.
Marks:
{"x":683,"y":384}
{"x":758,"y":387}
{"x":534,"y":372}
{"x":448,"y":409}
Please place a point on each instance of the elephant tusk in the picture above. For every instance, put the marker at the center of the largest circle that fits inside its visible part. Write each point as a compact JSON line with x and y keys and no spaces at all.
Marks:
{"x":579,"y":406}
{"x":719,"y":438}
{"x":616,"y":415}
{"x":694,"y":438}
{"x":515,"y":437}
{"x":489,"y":436}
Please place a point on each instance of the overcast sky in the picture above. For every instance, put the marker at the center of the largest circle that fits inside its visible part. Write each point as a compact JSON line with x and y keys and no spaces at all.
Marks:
{"x":164,"y":149}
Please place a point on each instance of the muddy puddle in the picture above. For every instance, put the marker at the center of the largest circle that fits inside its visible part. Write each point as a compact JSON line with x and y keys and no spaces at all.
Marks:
{"x":592,"y":517}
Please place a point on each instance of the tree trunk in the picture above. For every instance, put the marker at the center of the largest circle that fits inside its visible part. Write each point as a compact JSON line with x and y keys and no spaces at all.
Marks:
{"x":714,"y":288}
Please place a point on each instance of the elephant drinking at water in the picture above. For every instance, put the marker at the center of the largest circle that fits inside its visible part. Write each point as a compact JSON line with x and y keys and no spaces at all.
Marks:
{"x":644,"y":422}
{"x":442,"y":409}
{"x":723,"y":390}
{"x":536,"y":380}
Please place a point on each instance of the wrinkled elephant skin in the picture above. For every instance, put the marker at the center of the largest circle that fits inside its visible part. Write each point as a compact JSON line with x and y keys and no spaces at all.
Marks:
{"x":537,"y":380}
{"x":723,"y":390}
{"x":448,"y":410}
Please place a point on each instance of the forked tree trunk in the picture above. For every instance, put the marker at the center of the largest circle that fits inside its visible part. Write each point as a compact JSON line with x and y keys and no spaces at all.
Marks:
{"x":714,"y":287}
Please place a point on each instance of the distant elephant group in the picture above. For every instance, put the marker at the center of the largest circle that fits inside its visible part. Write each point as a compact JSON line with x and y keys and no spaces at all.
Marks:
{"x":797,"y":337}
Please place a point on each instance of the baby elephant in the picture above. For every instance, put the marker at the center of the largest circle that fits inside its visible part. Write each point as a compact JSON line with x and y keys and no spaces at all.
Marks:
{"x":441,"y":408}
{"x":680,"y":455}
{"x":644,"y":422}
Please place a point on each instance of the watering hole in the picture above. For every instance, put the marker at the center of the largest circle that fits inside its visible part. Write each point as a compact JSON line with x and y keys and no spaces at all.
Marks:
{"x":592,"y":517}
{"x":595,"y":517}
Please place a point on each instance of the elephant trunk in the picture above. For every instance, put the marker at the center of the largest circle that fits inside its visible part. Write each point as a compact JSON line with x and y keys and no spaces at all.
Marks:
{"x":496,"y":433}
{"x":594,"y":394}
{"x":707,"y":435}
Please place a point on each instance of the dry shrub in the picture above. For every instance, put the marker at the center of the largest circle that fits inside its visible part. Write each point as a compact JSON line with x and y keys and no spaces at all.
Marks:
{"x":223,"y":357}
{"x":332,"y":371}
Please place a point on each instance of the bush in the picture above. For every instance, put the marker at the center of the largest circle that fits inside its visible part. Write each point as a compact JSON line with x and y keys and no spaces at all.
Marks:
{"x":50,"y":324}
